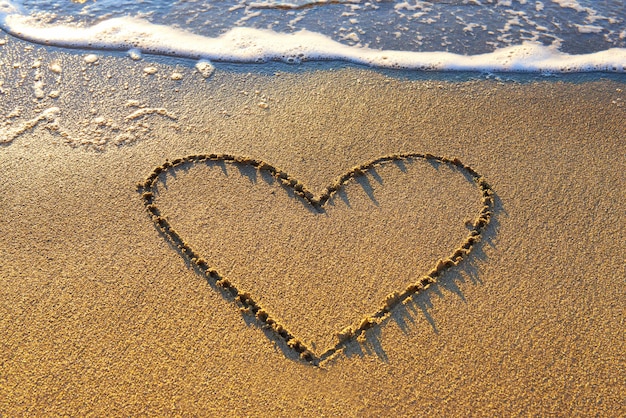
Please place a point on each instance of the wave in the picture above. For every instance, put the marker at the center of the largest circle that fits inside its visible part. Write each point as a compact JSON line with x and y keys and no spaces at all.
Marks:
{"x":249,"y":45}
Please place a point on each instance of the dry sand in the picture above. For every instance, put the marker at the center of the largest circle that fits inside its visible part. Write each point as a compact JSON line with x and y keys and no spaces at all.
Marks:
{"x":99,"y":315}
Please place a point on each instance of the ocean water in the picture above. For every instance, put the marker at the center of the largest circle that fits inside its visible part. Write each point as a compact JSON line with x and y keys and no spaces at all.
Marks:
{"x":482,"y":35}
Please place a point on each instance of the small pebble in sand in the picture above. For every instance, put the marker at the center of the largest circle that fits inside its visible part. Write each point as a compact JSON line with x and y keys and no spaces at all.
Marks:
{"x":3,"y":41}
{"x":91,"y":59}
{"x":150,"y":70}
{"x":263,"y":105}
{"x":205,"y":68}
{"x":176,"y":76}
{"x":54,"y":94}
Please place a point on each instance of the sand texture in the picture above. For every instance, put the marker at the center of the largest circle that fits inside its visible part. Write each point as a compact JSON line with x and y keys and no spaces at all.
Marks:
{"x":102,"y":313}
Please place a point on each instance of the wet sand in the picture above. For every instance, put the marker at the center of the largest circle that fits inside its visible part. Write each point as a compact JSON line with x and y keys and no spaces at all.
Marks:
{"x":100,"y":314}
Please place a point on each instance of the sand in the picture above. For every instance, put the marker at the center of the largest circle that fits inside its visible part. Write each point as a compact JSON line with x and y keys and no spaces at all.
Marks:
{"x":100,"y":315}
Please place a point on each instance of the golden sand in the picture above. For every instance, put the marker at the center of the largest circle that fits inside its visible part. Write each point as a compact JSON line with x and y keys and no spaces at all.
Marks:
{"x":100,"y":313}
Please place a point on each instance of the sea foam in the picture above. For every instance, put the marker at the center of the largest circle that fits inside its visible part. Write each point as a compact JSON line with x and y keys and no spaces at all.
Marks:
{"x":250,"y":45}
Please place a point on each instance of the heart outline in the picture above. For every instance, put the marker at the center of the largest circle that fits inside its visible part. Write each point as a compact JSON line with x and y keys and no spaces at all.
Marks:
{"x":247,"y":303}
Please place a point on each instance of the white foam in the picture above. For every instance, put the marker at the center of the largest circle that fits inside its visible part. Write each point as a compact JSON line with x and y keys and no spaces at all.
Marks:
{"x":246,"y":45}
{"x":205,"y":68}
{"x":589,"y":28}
{"x":48,"y":116}
{"x":150,"y":111}
{"x":571,"y":4}
{"x":91,"y":58}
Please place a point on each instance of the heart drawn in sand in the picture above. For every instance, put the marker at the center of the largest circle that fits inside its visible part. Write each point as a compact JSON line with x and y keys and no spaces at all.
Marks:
{"x":248,"y":302}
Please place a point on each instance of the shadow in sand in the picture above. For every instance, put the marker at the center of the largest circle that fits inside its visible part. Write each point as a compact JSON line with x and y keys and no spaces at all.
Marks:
{"x":366,"y":340}
{"x":405,"y":315}
{"x":365,"y":184}
{"x":421,"y":304}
